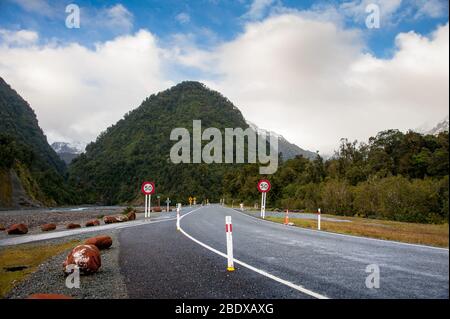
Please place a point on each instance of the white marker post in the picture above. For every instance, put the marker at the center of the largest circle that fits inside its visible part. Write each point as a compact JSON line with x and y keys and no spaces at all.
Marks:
{"x":178,"y":216}
{"x":318,"y":219}
{"x":229,"y":235}
{"x":168,"y":203}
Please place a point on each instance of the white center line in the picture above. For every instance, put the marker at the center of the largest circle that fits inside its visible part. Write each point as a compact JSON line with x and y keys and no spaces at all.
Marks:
{"x":257,"y":270}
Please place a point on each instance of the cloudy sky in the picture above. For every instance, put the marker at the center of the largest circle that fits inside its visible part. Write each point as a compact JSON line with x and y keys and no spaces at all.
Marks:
{"x":310,"y":70}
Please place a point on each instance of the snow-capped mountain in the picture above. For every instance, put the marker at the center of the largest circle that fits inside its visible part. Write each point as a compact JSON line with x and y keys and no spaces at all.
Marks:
{"x":287,"y":149}
{"x":68,"y":151}
{"x":438,"y":128}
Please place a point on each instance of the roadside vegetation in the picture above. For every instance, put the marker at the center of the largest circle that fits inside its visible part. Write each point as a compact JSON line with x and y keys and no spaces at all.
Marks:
{"x":395,"y":176}
{"x":414,"y":233}
{"x":17,"y":262}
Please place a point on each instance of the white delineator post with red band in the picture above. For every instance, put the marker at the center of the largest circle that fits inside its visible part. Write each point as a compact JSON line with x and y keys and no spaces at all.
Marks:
{"x":229,"y":234}
{"x":318,"y":219}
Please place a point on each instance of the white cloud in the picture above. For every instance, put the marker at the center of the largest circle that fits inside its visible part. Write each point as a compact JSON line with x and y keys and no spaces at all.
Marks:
{"x":293,"y":73}
{"x":18,"y":38}
{"x":41,"y":7}
{"x":116,"y":18}
{"x":312,"y":82}
{"x":183,"y":17}
{"x":258,"y":9}
{"x":77,"y":92}
{"x":431,"y":8}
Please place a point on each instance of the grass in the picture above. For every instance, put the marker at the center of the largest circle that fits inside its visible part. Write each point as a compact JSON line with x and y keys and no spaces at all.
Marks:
{"x":29,"y":256}
{"x":425,"y":234}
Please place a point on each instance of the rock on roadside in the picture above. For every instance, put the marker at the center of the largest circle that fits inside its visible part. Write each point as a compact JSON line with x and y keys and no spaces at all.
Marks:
{"x":73,"y":226}
{"x":48,"y":296}
{"x":17,"y":229}
{"x":48,"y":227}
{"x":101,"y":242}
{"x":86,"y":257}
{"x":93,"y":222}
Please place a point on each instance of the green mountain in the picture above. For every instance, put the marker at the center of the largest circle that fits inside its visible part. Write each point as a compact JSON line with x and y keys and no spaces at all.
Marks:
{"x":31,"y":173}
{"x":137,"y":148}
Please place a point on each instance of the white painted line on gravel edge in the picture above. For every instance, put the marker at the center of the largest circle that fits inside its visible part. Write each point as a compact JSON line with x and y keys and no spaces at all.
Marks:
{"x":259,"y":271}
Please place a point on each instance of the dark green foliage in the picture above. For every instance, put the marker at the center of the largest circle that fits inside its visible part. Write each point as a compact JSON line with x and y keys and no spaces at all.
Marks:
{"x":395,"y":176}
{"x":137,"y":148}
{"x":23,"y":142}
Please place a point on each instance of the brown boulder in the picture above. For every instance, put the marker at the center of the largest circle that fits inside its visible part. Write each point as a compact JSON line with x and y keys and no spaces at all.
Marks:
{"x":48,"y":296}
{"x":93,"y":222}
{"x":115,"y":219}
{"x":73,"y":226}
{"x":86,"y":257}
{"x":110,"y":219}
{"x":48,"y":227}
{"x":157,"y":210}
{"x":131,"y":216}
{"x":101,"y":242}
{"x":17,"y":229}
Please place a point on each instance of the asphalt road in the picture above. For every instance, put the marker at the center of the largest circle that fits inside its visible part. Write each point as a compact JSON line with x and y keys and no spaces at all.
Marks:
{"x":272,"y":261}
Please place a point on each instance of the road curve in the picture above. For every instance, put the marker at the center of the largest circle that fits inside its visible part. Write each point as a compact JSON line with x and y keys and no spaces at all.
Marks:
{"x":329,"y":264}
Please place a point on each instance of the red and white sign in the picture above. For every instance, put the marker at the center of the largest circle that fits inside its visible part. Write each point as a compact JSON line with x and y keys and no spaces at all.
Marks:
{"x":148,"y":188}
{"x":264,"y":186}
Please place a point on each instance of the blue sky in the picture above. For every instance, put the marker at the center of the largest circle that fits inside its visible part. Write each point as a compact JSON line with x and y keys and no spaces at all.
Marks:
{"x":209,"y":21}
{"x":311,"y":71}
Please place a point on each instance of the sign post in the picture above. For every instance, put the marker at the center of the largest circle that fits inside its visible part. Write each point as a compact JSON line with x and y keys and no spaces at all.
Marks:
{"x":263,"y":187}
{"x":168,"y":203}
{"x":148,"y":188}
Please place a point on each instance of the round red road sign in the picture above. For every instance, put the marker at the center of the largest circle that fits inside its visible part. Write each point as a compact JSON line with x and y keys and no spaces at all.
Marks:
{"x":148,"y":188}
{"x":264,"y":186}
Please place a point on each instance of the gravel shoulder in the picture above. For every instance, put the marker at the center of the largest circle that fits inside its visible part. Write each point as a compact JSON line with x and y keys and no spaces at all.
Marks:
{"x":61,"y":217}
{"x":107,"y":283}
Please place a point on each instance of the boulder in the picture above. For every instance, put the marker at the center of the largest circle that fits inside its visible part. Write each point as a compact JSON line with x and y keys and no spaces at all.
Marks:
{"x":110,"y":219}
{"x":48,"y":296}
{"x":73,"y":226}
{"x":131,"y":216}
{"x":17,"y":229}
{"x":48,"y":227}
{"x":93,"y":222}
{"x":122,"y":218}
{"x":86,"y":257}
{"x":157,"y":210}
{"x":101,"y":242}
{"x":115,"y":219}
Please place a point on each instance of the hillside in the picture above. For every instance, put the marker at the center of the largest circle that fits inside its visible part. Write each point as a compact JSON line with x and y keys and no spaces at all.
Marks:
{"x":31,"y":173}
{"x":137,"y":148}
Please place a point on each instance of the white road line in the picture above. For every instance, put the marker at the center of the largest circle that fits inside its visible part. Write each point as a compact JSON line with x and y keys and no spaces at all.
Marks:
{"x":259,"y":271}
{"x":338,"y":234}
